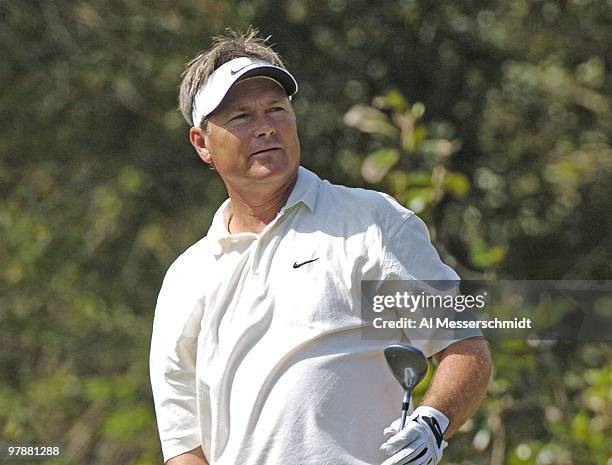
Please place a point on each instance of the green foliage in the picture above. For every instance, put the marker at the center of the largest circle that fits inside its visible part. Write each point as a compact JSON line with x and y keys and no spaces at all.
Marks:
{"x":415,"y":163}
{"x":492,"y":121}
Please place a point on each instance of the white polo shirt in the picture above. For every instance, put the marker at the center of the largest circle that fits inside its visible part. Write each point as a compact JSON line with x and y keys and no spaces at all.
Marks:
{"x":258,"y":350}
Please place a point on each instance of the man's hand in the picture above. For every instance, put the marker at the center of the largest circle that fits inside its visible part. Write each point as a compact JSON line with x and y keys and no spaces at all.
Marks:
{"x":456,"y":389}
{"x":421,"y":442}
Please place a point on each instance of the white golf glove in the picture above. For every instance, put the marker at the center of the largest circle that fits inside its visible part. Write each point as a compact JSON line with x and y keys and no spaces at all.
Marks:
{"x":420,"y":442}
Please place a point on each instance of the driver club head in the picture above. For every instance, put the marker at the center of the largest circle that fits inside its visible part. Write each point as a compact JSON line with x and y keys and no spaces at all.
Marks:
{"x":407,"y":363}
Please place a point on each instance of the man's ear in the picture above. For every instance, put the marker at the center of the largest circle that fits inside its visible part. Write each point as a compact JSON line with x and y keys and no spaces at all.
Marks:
{"x":198,"y":140}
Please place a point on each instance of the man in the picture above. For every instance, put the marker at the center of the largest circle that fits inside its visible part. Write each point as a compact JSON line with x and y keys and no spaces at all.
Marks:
{"x":258,"y":352}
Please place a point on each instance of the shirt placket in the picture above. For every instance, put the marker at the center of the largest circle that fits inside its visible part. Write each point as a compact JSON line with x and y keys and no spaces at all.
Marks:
{"x":262,"y":253}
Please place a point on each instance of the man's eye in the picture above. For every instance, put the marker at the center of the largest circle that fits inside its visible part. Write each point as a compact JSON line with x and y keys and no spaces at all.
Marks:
{"x":238,"y":117}
{"x":277,"y":109}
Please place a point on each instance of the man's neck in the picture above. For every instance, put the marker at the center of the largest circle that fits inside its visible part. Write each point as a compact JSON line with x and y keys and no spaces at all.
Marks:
{"x":253,"y":209}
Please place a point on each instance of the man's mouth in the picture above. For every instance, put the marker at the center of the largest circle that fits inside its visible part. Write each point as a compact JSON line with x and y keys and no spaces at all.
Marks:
{"x":264,"y":150}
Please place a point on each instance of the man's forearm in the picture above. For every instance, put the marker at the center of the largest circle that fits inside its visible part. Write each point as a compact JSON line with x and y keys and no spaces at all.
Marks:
{"x":193,"y":457}
{"x":460,"y":381}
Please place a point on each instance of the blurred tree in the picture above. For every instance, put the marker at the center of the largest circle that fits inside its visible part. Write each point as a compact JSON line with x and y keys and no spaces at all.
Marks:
{"x":93,"y":171}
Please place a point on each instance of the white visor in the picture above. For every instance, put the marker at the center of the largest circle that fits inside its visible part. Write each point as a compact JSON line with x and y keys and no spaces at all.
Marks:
{"x":210,"y":96}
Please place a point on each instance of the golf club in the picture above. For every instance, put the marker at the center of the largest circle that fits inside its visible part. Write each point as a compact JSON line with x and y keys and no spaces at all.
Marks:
{"x":409,"y":365}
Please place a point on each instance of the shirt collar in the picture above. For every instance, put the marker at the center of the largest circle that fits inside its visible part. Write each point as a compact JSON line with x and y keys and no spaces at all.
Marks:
{"x":305,"y":191}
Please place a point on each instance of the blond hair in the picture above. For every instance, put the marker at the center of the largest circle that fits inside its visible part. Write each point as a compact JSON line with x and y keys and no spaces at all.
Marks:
{"x":225,"y":48}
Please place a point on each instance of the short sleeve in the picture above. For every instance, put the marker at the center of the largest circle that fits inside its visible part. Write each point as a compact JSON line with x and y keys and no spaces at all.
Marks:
{"x":410,"y":255}
{"x":172,"y":366}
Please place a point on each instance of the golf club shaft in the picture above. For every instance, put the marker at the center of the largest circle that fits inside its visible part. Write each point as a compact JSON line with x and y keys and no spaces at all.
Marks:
{"x":405,"y":406}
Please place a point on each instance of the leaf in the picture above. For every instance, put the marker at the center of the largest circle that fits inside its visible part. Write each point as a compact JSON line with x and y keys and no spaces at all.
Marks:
{"x":483,"y":256}
{"x":377,"y":164}
{"x":412,"y":136}
{"x":418,"y":110}
{"x":418,"y":199}
{"x":419,"y":178}
{"x":370,"y":120}
{"x":456,"y":184}
{"x":440,"y":147}
{"x":393,"y":100}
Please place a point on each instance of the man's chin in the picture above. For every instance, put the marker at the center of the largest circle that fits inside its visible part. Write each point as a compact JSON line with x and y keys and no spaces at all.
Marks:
{"x":269,"y":171}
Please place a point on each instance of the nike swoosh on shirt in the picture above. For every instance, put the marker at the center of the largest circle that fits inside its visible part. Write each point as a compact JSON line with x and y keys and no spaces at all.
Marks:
{"x":297,"y":265}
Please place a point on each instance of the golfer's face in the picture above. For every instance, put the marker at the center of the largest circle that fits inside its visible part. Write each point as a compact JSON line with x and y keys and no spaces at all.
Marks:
{"x":252,"y":136}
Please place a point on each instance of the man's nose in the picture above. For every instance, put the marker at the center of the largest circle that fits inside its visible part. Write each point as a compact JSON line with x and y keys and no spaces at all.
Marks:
{"x":264,"y":126}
